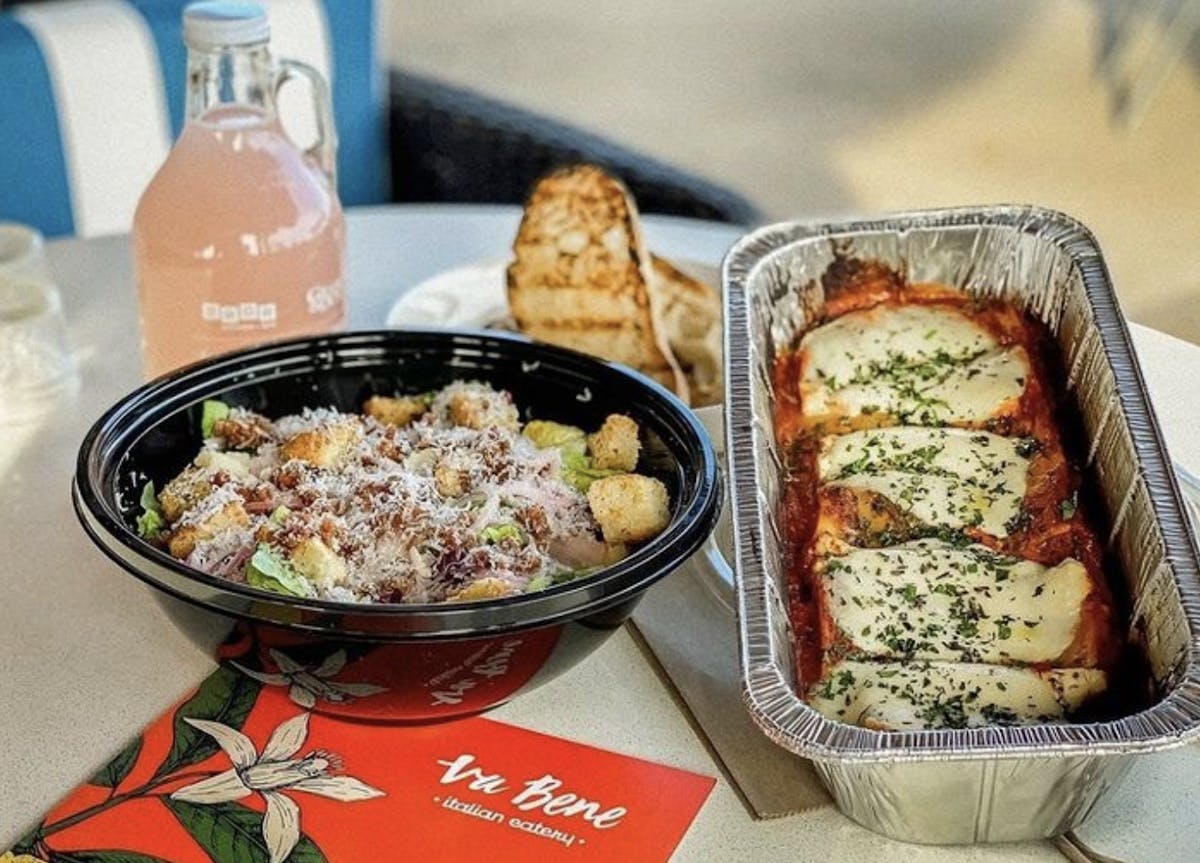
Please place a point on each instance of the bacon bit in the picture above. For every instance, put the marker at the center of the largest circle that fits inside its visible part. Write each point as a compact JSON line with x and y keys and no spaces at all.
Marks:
{"x":391,"y":451}
{"x":292,"y":534}
{"x":533,"y":519}
{"x":393,"y":593}
{"x":329,"y":533}
{"x":290,"y":476}
{"x":245,"y":432}
{"x":457,"y":565}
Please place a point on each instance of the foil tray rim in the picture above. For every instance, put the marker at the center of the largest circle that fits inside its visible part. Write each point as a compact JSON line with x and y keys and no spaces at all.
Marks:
{"x":774,"y":706}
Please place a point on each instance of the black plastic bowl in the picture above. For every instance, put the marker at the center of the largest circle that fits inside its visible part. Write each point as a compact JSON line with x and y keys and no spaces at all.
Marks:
{"x":431,"y":661}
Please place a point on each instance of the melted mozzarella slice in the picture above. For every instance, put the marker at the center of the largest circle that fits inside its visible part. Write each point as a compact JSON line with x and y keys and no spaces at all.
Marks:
{"x":949,"y":478}
{"x":922,"y":364}
{"x":929,"y":695}
{"x":931,"y":600}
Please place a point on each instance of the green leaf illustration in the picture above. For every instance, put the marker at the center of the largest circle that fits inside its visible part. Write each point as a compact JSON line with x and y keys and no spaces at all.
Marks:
{"x":226,"y":697}
{"x":230,"y":833}
{"x":102,"y":857}
{"x":114,"y":772}
{"x":26,"y":843}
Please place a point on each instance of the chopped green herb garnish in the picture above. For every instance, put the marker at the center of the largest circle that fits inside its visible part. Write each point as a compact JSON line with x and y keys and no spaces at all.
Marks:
{"x":1068,"y":507}
{"x":1028,"y":447}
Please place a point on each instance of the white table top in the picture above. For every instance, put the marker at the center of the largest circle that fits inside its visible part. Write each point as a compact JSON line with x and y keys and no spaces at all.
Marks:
{"x":89,"y":658}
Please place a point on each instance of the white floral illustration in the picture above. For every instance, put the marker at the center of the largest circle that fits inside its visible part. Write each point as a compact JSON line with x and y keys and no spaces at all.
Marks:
{"x":271,"y":772}
{"x":308,"y":683}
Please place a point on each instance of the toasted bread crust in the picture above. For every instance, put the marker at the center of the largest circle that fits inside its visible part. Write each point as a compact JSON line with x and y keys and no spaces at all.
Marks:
{"x":581,"y":267}
{"x":692,"y":325}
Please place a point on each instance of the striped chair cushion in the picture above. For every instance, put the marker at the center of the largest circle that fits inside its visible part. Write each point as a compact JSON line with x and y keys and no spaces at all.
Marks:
{"x":93,"y":95}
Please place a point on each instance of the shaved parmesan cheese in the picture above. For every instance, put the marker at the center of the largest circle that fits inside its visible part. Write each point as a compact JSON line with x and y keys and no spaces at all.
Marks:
{"x":911,"y":696}
{"x":370,"y":515}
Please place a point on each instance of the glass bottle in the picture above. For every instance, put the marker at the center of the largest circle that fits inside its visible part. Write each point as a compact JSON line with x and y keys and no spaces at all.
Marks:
{"x":239,"y":238}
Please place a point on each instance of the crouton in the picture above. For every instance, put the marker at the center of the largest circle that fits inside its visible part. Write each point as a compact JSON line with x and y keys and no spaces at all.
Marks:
{"x":183,"y":540}
{"x":194,"y":482}
{"x":318,"y":563}
{"x":615,"y":446}
{"x":615,"y":552}
{"x":184,"y":492}
{"x":629,"y":507}
{"x":484,"y":588}
{"x":480,"y":408}
{"x":451,"y":481}
{"x":323,"y":447}
{"x":398,"y":411}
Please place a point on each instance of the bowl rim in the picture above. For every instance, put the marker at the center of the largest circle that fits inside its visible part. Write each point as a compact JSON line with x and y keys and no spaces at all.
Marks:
{"x":131,"y":417}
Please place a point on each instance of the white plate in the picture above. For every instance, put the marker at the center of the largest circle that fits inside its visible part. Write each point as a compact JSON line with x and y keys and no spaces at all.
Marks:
{"x":469,"y":296}
{"x":475,"y":295}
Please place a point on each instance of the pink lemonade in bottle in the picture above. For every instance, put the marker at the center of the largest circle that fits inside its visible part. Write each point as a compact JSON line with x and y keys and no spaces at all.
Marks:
{"x":239,"y":238}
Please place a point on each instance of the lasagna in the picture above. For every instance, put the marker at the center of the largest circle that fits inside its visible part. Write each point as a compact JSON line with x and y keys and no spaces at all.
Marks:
{"x":944,"y":573}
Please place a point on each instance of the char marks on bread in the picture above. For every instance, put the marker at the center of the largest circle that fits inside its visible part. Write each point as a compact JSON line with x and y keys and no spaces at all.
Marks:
{"x":581,"y":276}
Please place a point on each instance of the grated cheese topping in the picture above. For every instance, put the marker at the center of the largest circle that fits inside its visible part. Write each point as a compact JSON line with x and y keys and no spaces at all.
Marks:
{"x":371,"y":512}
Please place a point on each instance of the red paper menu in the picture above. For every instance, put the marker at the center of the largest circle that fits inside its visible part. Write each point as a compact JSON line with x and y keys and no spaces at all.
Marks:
{"x":238,"y":772}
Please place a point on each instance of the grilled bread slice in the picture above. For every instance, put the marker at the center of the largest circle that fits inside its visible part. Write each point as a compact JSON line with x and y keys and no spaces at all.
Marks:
{"x":692,"y":322}
{"x":581,"y":276}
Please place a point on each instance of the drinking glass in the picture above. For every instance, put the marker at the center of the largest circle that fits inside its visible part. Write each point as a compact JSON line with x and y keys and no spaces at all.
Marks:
{"x":37,"y":367}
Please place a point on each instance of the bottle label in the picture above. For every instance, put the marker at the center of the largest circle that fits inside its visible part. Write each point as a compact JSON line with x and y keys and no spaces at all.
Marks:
{"x":319,"y":301}
{"x":321,"y":298}
{"x":240,"y":316}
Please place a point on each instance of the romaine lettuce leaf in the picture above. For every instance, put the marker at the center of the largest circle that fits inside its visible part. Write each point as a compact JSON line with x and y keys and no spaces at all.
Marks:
{"x":210,"y":413}
{"x":151,"y":522}
{"x":577,"y":471}
{"x":267,"y":570}
{"x":495,"y":533}
{"x":546,"y":433}
{"x":544,"y":581}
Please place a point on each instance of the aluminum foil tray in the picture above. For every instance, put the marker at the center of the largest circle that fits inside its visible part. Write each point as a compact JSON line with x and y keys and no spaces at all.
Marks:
{"x":985,"y":784}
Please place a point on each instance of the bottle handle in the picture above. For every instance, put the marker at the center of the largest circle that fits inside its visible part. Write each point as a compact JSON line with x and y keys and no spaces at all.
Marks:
{"x":324,"y":151}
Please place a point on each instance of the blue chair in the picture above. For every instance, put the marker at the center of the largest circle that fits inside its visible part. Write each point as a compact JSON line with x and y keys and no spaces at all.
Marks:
{"x":93,"y":96}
